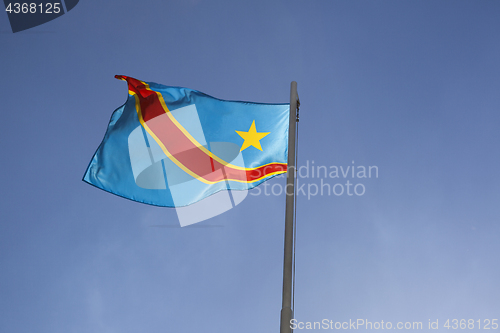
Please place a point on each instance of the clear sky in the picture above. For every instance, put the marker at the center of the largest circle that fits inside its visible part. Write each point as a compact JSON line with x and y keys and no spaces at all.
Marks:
{"x":411,"y":87}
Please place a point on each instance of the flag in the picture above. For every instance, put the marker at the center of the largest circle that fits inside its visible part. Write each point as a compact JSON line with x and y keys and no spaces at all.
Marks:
{"x":172,"y":146}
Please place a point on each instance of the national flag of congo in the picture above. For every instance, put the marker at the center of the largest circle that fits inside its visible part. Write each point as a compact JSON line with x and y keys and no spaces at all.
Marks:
{"x":172,"y":146}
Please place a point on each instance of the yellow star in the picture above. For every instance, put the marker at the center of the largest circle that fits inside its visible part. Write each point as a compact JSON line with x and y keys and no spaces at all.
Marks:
{"x":252,"y":137}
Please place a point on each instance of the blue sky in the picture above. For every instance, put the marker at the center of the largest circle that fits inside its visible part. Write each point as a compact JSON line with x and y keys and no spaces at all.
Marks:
{"x":408,"y":86}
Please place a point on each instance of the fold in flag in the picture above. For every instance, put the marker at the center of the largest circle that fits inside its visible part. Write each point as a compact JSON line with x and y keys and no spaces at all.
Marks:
{"x":172,"y":146}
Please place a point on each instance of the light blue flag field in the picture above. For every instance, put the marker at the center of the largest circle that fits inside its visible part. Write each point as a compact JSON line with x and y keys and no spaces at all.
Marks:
{"x":172,"y":146}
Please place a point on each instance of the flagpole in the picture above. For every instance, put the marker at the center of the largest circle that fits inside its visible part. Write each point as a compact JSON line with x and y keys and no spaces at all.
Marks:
{"x":286,"y":307}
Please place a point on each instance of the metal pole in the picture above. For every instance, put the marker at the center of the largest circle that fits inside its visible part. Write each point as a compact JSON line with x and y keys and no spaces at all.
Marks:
{"x":286,"y":307}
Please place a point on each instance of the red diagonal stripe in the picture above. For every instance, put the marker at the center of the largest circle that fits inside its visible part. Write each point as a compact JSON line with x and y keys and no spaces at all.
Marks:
{"x":182,"y":148}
